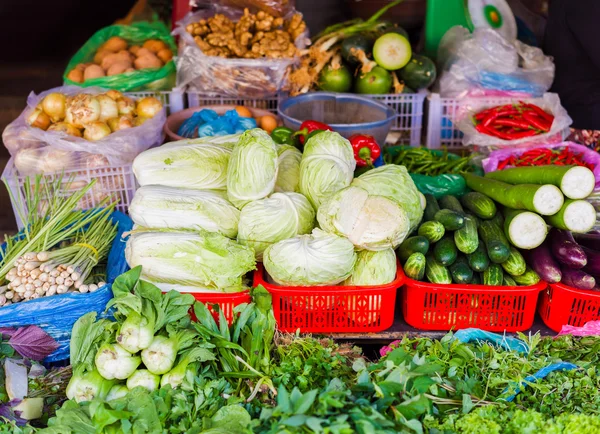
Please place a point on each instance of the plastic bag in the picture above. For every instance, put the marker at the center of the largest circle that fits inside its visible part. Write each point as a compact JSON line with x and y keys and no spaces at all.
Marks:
{"x":214,"y":75}
{"x":590,"y":328}
{"x":37,"y":151}
{"x":490,"y":164}
{"x":542,"y":373}
{"x":143,"y":79}
{"x":57,"y":314}
{"x":277,"y":8}
{"x":440,"y":185}
{"x":550,"y":102}
{"x":484,"y":61}
{"x":507,"y":342}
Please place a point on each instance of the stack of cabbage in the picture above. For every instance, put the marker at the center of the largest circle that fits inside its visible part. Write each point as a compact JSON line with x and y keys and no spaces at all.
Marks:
{"x":208,"y":208}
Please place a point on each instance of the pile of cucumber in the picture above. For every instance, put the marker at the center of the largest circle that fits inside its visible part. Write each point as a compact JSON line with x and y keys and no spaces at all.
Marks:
{"x":463,"y":242}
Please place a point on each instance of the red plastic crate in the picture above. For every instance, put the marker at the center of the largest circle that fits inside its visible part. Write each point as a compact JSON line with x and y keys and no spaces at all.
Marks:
{"x":332,"y":309}
{"x":564,"y":305}
{"x":429,"y":306}
{"x":226,"y":303}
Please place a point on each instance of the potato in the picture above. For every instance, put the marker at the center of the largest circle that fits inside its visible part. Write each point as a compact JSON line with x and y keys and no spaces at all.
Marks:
{"x":75,"y":75}
{"x":148,"y":61}
{"x":130,"y":70}
{"x":143,"y":52}
{"x":93,"y":71}
{"x":81,"y":66}
{"x":115,"y":44}
{"x":134,"y":49}
{"x":100,"y":54}
{"x":111,"y":59}
{"x":118,"y":68}
{"x":125,"y":56}
{"x":154,"y":45}
{"x":165,"y":55}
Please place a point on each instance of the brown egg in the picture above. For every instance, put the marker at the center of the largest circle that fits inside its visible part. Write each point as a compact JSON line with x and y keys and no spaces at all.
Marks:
{"x":243,"y":111}
{"x":268,"y":123}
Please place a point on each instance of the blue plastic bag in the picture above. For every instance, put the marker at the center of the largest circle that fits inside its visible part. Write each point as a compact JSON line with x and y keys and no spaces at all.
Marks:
{"x":506,"y":342}
{"x":57,"y":314}
{"x":542,"y":373}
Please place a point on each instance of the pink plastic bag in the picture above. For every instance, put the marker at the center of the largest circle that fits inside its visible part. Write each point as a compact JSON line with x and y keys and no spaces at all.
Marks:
{"x":590,"y":328}
{"x":491,"y":163}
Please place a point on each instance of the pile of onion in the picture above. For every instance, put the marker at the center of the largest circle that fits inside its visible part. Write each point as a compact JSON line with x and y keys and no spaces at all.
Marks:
{"x":92,"y":117}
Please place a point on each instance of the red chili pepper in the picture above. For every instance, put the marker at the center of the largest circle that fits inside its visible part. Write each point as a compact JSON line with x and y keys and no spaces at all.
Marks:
{"x":366,"y":149}
{"x":523,"y":134}
{"x":517,"y":123}
{"x":541,"y":112}
{"x":537,"y":122}
{"x":308,"y":127}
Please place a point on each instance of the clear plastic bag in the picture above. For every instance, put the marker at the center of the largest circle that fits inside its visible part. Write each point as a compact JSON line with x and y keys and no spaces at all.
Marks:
{"x":277,"y":8}
{"x":483,"y":61}
{"x":214,"y":75}
{"x":485,"y":143}
{"x":37,"y":151}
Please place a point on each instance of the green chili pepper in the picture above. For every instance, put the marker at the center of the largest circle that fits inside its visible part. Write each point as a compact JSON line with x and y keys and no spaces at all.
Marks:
{"x":283,"y":136}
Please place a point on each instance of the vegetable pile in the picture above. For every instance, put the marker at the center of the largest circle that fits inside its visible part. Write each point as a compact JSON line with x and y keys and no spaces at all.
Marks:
{"x":116,"y":56}
{"x":513,"y":121}
{"x":546,"y":157}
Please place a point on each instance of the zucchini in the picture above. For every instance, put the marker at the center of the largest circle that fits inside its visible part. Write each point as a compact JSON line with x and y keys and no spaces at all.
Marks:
{"x":450,"y":219}
{"x":478,"y":260}
{"x":529,"y":277}
{"x":451,"y":202}
{"x":445,"y":251}
{"x":524,"y":229}
{"x":515,"y":264}
{"x":495,"y":241}
{"x":433,"y":231}
{"x":460,"y":271}
{"x":493,"y":276}
{"x":436,"y":272}
{"x":414,"y":267}
{"x":412,"y":245}
{"x":476,"y":279}
{"x":509,"y":281}
{"x":479,"y":204}
{"x":431,"y":207}
{"x":466,"y":238}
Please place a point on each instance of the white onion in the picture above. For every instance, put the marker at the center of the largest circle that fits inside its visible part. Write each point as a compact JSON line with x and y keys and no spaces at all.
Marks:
{"x":108,"y":108}
{"x":54,"y":105}
{"x":120,"y":123}
{"x":148,"y":107}
{"x":65,"y":128}
{"x":114,"y":94}
{"x":38,"y":119}
{"x":96,"y":131}
{"x":82,"y":109}
{"x":126,"y":106}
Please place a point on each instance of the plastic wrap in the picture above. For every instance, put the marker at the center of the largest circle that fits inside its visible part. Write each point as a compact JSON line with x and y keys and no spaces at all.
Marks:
{"x":277,"y":8}
{"x":484,"y":61}
{"x":490,"y":164}
{"x":214,"y":75}
{"x":57,"y":314}
{"x":550,"y":102}
{"x":37,"y":151}
{"x":143,"y":79}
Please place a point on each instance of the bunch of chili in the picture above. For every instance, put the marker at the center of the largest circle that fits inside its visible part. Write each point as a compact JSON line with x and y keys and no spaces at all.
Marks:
{"x":546,"y":157}
{"x":513,"y":121}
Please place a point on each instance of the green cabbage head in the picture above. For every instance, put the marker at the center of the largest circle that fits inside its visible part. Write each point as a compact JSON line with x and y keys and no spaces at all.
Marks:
{"x":278,"y":217}
{"x":309,"y":260}
{"x":373,"y":268}
{"x":288,"y":175}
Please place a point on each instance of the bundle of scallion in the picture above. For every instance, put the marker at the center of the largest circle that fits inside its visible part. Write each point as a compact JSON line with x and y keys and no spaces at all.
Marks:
{"x":37,"y":263}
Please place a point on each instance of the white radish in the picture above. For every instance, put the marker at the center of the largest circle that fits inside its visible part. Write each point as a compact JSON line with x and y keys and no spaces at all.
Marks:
{"x":84,"y":288}
{"x":93,"y":287}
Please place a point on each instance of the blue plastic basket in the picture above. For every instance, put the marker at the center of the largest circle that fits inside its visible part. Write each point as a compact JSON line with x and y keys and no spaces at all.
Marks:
{"x":57,"y":314}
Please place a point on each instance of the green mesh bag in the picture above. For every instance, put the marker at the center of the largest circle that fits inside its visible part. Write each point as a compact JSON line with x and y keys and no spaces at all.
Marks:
{"x":151,"y":79}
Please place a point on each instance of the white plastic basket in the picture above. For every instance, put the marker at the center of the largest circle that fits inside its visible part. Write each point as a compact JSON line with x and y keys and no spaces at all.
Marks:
{"x":442,"y":117}
{"x":409,"y":122}
{"x":271,"y":103}
{"x":117,"y":182}
{"x":173,"y":100}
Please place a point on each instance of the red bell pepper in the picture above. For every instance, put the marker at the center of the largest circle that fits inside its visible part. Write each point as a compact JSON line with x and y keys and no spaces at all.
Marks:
{"x":366,"y":149}
{"x":308,"y":127}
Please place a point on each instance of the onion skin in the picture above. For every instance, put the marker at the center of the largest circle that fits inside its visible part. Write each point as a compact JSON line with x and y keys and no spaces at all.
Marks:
{"x":82,"y":109}
{"x":126,"y":106}
{"x":39,"y":119}
{"x":148,"y":107}
{"x":65,"y":128}
{"x":55,"y":105}
{"x":120,"y":123}
{"x":114,"y":94}
{"x":96,"y":131}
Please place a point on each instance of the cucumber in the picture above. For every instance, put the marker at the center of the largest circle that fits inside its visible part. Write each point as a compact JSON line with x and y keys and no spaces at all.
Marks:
{"x":460,"y":271}
{"x":392,"y":51}
{"x":436,"y":272}
{"x":433,"y":231}
{"x":414,"y":267}
{"x":466,"y":238}
{"x":451,"y":202}
{"x":498,"y":219}
{"x":479,"y":204}
{"x":509,"y":281}
{"x":515,"y":264}
{"x":431,"y":207}
{"x":450,"y":219}
{"x":495,"y":241}
{"x":476,"y":279}
{"x":529,"y":277}
{"x":412,"y":245}
{"x":493,"y":276}
{"x":445,"y":251}
{"x":478,"y":260}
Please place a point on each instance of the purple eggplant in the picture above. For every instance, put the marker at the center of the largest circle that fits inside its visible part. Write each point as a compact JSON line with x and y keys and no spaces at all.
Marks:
{"x":593,"y":261}
{"x":577,"y":278}
{"x":566,"y":250}
{"x":589,"y":240}
{"x":541,"y":260}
